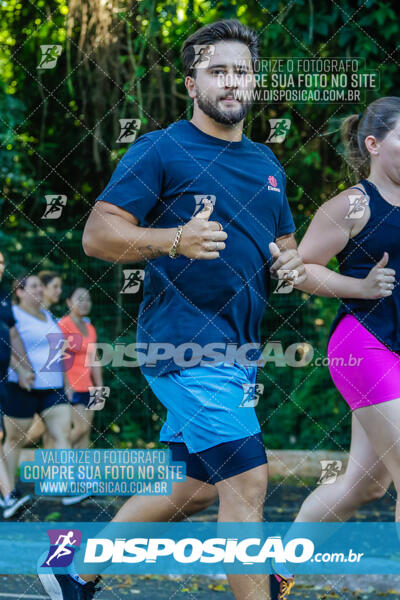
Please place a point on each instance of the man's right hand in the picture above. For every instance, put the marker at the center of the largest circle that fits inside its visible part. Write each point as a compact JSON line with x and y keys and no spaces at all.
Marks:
{"x":202,"y":238}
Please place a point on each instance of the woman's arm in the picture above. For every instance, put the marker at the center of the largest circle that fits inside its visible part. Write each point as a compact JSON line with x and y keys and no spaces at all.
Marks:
{"x":327,"y":234}
{"x":69,"y":392}
{"x":19,"y":356}
{"x":322,"y":281}
{"x":19,"y":360}
{"x":97,"y":376}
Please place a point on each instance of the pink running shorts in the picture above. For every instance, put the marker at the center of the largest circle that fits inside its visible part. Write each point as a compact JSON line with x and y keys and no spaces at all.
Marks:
{"x":364,"y":370}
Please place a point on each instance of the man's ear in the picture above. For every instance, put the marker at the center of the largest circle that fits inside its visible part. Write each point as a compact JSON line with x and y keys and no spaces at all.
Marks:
{"x":190,"y":86}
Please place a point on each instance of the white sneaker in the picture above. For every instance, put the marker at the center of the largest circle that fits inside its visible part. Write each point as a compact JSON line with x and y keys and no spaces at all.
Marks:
{"x":15,"y":502}
{"x":68,"y":500}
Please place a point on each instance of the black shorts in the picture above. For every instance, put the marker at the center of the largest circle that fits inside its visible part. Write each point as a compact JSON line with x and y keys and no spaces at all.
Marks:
{"x":80,"y":398}
{"x":21,"y":404}
{"x":222,"y":461}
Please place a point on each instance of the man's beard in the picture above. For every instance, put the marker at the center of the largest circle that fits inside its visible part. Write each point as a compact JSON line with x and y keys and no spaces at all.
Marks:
{"x":230,"y":117}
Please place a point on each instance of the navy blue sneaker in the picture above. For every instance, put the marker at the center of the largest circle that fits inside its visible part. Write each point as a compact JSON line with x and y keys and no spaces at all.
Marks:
{"x":63,"y":587}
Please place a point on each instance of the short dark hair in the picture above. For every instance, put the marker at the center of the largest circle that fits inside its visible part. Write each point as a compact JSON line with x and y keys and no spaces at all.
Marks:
{"x":228,"y":29}
{"x":47,"y":276}
{"x":19,"y":284}
{"x":72,"y":289}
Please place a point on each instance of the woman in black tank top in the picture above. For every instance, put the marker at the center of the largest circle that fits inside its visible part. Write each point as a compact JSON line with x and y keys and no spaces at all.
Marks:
{"x":361,"y":227}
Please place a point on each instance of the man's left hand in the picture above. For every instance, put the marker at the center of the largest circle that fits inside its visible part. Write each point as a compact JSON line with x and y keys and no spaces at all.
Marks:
{"x":289,"y":260}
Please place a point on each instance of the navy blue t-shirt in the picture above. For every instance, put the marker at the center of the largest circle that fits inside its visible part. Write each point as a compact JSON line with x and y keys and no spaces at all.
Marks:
{"x":6,"y":321}
{"x":161,"y":180}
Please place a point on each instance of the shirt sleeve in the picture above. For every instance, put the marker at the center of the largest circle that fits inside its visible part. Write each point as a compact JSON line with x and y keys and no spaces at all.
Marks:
{"x":136,"y":182}
{"x":11,"y":321}
{"x":286,"y":224}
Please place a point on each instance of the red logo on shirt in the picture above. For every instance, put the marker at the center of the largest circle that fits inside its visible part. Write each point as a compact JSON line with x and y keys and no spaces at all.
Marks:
{"x":272,"y":181}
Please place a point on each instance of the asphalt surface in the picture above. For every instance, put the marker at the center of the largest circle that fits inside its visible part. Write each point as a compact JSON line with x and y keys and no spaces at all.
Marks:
{"x":282,"y":504}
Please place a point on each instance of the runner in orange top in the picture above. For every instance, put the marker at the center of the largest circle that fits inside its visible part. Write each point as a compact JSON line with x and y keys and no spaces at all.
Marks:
{"x":80,"y":377}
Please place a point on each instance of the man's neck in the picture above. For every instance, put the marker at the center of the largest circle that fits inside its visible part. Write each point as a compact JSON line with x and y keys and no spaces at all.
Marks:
{"x":230,"y":133}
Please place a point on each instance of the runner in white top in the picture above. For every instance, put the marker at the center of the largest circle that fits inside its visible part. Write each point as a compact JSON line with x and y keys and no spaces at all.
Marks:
{"x":52,"y":290}
{"x":41,"y":336}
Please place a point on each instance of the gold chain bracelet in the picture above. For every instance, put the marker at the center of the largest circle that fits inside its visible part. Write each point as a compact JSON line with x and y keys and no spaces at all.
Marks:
{"x":173,"y":250}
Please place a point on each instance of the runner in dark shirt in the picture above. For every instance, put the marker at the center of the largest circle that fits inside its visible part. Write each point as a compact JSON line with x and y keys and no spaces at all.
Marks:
{"x":11,"y":351}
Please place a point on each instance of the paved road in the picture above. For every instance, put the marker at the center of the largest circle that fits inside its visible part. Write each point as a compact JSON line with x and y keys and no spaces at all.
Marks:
{"x":188,"y":588}
{"x":283,"y":502}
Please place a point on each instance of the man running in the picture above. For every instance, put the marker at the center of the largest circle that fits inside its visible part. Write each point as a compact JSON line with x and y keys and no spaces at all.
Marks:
{"x":206,"y":283}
